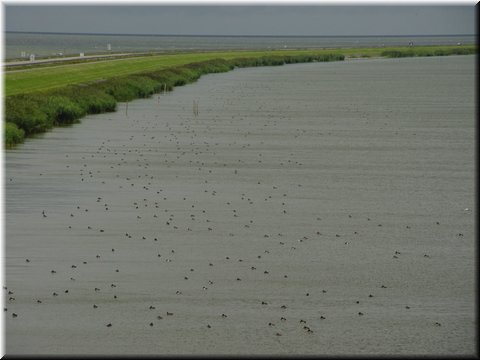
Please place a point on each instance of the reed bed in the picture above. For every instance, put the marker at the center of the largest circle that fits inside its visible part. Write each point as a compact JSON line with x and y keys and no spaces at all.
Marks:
{"x":34,"y":112}
{"x":429,"y":52}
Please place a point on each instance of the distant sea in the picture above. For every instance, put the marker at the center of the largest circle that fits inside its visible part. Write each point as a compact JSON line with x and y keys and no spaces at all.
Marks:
{"x":50,"y":44}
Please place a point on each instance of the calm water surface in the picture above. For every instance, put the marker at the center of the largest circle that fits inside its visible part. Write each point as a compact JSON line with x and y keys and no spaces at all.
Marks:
{"x":330,"y":197}
{"x":70,"y":44}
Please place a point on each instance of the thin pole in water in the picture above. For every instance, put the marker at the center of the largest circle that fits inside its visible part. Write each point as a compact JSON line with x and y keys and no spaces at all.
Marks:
{"x":126,"y":110}
{"x":195,"y":108}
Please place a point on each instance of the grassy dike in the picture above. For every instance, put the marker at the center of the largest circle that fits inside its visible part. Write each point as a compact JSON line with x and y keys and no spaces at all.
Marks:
{"x":39,"y":99}
{"x":35,"y":112}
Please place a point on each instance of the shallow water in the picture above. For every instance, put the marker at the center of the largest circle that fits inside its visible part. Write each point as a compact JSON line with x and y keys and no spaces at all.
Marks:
{"x":326,"y":179}
{"x":43,"y":44}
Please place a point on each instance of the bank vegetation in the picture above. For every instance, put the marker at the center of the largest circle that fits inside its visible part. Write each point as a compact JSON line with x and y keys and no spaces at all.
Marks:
{"x":38,"y":100}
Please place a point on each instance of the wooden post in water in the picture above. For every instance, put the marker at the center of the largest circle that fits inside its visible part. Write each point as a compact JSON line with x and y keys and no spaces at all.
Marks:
{"x":195,"y":108}
{"x":126,"y":110}
{"x":164,"y":88}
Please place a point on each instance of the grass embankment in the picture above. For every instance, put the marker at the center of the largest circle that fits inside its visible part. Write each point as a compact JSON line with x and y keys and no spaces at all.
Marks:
{"x":37,"y":111}
{"x":40,"y":98}
{"x":40,"y":79}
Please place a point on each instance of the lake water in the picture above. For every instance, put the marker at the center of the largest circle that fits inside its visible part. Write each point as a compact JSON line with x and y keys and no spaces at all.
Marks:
{"x":71,"y":44}
{"x":321,"y":208}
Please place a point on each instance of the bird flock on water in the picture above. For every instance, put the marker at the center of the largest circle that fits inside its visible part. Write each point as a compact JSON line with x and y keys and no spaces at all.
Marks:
{"x":203,"y":181}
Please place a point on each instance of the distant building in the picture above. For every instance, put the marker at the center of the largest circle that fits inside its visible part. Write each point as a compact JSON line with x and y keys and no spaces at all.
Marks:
{"x":32,"y":57}
{"x":82,"y":54}
{"x":109,"y":47}
{"x":23,"y":54}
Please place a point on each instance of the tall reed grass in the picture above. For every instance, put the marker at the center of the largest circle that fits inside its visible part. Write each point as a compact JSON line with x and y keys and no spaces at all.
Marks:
{"x":429,"y":52}
{"x":37,"y":112}
{"x":13,"y":135}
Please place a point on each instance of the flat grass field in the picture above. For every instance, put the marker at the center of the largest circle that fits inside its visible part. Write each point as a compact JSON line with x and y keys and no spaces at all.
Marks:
{"x":50,"y":77}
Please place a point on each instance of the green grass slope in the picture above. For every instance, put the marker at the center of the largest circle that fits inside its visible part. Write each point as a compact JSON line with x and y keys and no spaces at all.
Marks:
{"x":38,"y":99}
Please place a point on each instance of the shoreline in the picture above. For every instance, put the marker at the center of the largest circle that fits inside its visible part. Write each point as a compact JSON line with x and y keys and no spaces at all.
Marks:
{"x":61,"y":106}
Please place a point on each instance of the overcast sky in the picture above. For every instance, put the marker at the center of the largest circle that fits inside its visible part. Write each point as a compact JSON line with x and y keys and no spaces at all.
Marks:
{"x":244,"y":20}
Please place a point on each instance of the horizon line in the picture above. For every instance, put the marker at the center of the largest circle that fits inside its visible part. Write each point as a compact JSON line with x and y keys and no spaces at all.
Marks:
{"x":212,"y":35}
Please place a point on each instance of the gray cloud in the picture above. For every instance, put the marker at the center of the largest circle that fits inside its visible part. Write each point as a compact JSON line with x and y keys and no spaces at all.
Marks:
{"x":243,"y":20}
